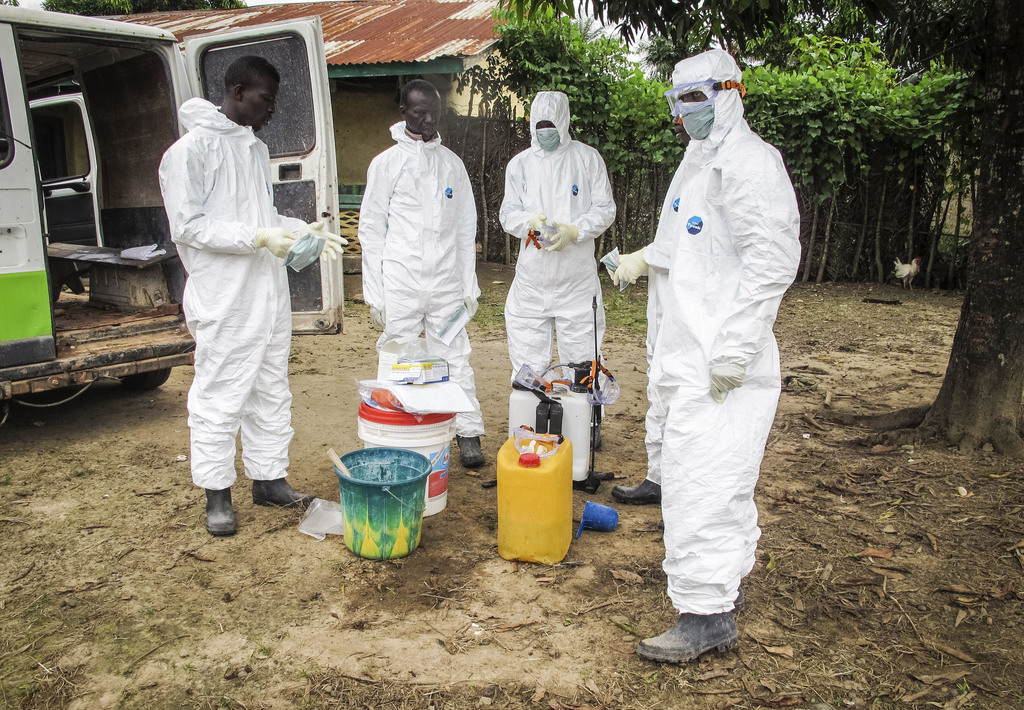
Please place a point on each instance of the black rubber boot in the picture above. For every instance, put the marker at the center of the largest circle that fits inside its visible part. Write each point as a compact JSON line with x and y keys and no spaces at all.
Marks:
{"x":692,"y":635}
{"x":220,"y":516}
{"x":647,"y":493}
{"x":280,"y":493}
{"x":469,"y":451}
{"x":737,"y":604}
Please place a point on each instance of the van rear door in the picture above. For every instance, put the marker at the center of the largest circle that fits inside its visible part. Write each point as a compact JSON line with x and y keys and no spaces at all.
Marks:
{"x":301,"y":142}
{"x":26,"y":321}
{"x":66,"y":153}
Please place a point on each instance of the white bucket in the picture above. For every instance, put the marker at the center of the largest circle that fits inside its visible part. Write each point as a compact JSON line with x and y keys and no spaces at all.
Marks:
{"x":430,"y":436}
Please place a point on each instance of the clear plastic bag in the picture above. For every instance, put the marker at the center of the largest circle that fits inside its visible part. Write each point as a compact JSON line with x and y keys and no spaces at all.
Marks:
{"x":379,"y":395}
{"x":530,"y":442}
{"x":528,"y":378}
{"x":606,"y":393}
{"x":322,"y":518}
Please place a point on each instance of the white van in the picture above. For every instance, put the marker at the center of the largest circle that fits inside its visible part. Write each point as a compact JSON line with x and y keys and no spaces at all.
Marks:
{"x":87,"y":109}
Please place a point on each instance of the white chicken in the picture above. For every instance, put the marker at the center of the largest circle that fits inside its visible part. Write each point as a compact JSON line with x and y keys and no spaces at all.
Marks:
{"x":907,"y":272}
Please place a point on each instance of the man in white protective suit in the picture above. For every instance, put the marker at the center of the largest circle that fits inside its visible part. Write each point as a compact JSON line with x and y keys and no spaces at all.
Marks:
{"x":716,"y":363}
{"x":215,"y":182}
{"x":417,"y":230}
{"x":558,"y":190}
{"x":658,"y":257}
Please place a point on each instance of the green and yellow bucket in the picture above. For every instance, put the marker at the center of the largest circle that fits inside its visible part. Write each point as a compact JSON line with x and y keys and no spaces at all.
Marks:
{"x":382,"y":503}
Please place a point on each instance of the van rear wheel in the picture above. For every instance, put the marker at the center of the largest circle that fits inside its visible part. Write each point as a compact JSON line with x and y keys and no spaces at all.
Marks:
{"x":146,"y":380}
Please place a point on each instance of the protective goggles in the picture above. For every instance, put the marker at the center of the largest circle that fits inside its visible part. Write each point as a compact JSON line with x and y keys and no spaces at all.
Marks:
{"x":677,"y":95}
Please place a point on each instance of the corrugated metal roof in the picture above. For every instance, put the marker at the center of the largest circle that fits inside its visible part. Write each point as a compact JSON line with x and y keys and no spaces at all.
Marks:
{"x":359,"y":31}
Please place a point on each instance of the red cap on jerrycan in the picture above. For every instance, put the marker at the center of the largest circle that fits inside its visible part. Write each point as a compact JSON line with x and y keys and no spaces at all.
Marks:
{"x":529,"y":460}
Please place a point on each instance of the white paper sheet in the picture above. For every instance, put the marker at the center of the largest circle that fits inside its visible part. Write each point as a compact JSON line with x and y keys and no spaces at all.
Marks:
{"x":432,"y":398}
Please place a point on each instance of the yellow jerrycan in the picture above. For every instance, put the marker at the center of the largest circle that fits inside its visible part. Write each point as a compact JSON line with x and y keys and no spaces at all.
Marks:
{"x":534,"y":497}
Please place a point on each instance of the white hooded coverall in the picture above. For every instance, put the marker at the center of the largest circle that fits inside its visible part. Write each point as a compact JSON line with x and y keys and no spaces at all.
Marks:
{"x":658,"y":255}
{"x":737,"y":250}
{"x":417,"y":231}
{"x":553,"y":291}
{"x":216,"y":185}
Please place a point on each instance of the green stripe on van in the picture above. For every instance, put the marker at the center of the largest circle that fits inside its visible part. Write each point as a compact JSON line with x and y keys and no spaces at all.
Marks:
{"x":24,"y":305}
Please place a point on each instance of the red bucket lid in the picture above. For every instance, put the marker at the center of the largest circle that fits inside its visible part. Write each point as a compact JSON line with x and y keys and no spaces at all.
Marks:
{"x":387,"y":416}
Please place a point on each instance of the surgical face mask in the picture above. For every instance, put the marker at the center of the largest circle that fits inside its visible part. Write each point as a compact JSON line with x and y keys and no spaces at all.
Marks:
{"x":548,"y":138}
{"x":699,"y":123}
{"x":304,"y":252}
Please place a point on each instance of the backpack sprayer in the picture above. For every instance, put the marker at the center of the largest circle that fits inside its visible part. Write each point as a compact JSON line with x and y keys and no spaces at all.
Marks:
{"x":575,"y":411}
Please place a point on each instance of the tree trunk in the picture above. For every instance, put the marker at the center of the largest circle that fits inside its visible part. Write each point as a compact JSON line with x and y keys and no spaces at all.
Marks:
{"x":810,"y":242}
{"x":951,"y":274}
{"x":824,"y":245}
{"x":482,"y":184}
{"x":980,"y":398}
{"x":933,"y":242}
{"x":859,"y":246}
{"x":878,"y":235}
{"x":910,"y":221}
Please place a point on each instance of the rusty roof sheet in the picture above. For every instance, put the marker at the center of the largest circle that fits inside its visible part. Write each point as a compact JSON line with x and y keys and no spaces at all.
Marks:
{"x":359,"y":31}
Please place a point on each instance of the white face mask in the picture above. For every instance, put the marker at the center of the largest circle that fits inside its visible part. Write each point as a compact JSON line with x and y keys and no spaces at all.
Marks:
{"x":699,"y":123}
{"x":548,"y":138}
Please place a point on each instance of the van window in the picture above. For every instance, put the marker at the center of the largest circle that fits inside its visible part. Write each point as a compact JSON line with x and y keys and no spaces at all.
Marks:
{"x":61,"y":145}
{"x":6,"y":138}
{"x":293,"y":130}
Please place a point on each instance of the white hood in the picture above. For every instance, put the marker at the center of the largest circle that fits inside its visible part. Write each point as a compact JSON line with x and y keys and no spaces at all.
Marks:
{"x":201,"y":114}
{"x":400,"y":136}
{"x":715,"y":65}
{"x":550,"y":106}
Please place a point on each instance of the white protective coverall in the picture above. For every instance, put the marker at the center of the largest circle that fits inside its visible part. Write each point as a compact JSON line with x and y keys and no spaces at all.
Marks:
{"x":216,"y":185}
{"x":553,"y":291}
{"x":736,"y":253}
{"x":417,"y":230}
{"x":658,"y":255}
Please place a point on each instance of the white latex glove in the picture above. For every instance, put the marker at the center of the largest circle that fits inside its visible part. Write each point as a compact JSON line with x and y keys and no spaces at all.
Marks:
{"x":471,"y":305}
{"x":317,"y":228}
{"x":377,"y":316}
{"x":536,"y":222}
{"x":333,"y":246}
{"x":276,"y":240}
{"x":631,"y":267}
{"x":565,"y":236}
{"x":725,"y":378}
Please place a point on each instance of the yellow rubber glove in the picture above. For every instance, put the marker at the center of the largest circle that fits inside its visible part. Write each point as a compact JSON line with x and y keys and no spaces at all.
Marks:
{"x":724,"y":379}
{"x":536,"y":222}
{"x":378,"y":317}
{"x":471,"y":305}
{"x":317,"y":228}
{"x":631,"y":267}
{"x":565,"y":236}
{"x":276,"y":240}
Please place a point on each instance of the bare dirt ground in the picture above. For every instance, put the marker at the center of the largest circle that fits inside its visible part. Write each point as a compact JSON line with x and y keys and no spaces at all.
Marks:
{"x":886,"y":576}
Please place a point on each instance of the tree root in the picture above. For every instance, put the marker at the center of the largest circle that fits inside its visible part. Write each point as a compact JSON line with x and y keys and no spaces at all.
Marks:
{"x":909,"y":426}
{"x":908,"y":418}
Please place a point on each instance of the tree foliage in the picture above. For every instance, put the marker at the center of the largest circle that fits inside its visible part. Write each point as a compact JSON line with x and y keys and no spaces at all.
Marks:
{"x":615,"y":108}
{"x":94,"y":8}
{"x":838,"y":112}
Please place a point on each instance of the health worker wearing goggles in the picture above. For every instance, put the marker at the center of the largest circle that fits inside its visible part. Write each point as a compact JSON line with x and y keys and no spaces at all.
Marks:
{"x":726,"y":250}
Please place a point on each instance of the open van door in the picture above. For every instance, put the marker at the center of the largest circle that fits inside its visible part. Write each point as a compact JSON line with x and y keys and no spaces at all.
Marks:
{"x":68,"y":169}
{"x":300,"y":139}
{"x":26,"y":321}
